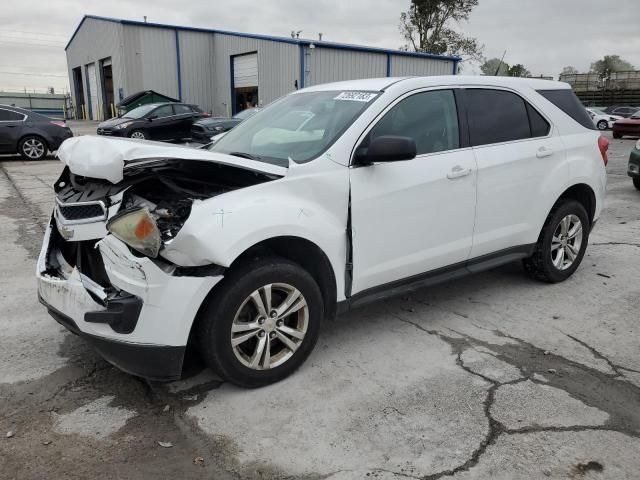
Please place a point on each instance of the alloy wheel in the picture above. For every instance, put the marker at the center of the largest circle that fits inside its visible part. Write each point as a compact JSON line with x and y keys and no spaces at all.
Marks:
{"x":138,"y":135}
{"x":33,"y":148}
{"x":566,"y":242}
{"x":269,"y":326}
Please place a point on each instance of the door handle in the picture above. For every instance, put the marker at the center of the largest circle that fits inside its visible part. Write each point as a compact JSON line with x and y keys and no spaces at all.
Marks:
{"x":544,"y":152}
{"x":457,"y":172}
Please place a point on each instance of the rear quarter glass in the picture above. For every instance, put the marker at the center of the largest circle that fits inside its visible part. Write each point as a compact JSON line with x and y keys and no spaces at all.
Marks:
{"x":567,"y":101}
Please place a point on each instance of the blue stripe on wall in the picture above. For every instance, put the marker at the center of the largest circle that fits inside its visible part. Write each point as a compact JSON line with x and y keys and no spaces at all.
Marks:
{"x":178,"y":66}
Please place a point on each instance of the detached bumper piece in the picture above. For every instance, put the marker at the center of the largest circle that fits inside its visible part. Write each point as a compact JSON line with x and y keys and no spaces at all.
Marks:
{"x":121,"y":313}
{"x":155,"y":362}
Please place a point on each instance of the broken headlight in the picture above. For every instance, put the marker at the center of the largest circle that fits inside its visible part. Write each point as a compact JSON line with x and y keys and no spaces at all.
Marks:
{"x":138,"y":229}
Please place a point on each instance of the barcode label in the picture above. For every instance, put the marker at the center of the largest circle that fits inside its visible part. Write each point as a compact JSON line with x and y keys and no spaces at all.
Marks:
{"x":356,"y":96}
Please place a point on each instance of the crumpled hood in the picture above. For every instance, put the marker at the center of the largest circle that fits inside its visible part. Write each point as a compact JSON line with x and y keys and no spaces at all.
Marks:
{"x":105,"y":158}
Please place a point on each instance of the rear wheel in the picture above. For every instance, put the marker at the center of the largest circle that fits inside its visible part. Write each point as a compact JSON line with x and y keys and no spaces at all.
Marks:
{"x":603,"y":125}
{"x":636,"y":183}
{"x":561,"y":245}
{"x":262,"y":323}
{"x":32,"y":148}
{"x":139,"y":134}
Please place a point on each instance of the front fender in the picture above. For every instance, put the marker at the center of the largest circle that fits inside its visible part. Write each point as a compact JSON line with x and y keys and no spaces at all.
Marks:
{"x":312,"y":207}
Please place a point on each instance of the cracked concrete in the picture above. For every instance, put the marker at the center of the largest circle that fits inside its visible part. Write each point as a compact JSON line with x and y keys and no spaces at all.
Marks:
{"x":530,"y":405}
{"x":491,"y":376}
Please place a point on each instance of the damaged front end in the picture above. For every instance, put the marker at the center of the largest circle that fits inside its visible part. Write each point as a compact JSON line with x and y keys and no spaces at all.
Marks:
{"x":101,"y":272}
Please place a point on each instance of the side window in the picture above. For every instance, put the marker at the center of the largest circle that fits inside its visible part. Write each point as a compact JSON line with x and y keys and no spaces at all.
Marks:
{"x":9,"y":116}
{"x":539,"y":126}
{"x":163,"y":111}
{"x":496,"y":116}
{"x":430,"y":118}
{"x":182,"y":109}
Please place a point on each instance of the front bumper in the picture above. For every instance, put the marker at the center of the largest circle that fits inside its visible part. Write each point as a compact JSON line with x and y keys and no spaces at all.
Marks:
{"x":147,"y":333}
{"x":202,"y":137}
{"x":112,"y":132}
{"x":633,"y":169}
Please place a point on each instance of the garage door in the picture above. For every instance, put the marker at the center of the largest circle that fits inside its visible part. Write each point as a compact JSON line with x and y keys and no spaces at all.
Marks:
{"x":93,"y":91}
{"x":245,"y":70}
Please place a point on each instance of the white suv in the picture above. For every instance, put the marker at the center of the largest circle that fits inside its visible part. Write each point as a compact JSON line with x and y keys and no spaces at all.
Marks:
{"x":329,"y":198}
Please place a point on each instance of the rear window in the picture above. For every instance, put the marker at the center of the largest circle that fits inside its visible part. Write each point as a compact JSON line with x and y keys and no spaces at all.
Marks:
{"x":9,"y":116}
{"x":182,"y":109}
{"x":496,"y":116}
{"x":567,"y":101}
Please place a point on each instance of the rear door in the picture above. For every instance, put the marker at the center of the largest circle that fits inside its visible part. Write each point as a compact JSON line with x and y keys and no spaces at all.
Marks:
{"x":520,"y":162}
{"x":414,"y":216}
{"x":11,"y":124}
{"x":184,"y":116}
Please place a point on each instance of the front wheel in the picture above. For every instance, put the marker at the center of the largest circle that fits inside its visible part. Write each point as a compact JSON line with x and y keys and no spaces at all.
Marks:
{"x":561,"y":245}
{"x":603,"y":125}
{"x":139,"y":134}
{"x":262,"y":323}
{"x":636,"y":183}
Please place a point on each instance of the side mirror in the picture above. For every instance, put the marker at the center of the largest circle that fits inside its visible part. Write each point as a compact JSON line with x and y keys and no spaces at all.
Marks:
{"x":387,"y":148}
{"x":152,"y":117}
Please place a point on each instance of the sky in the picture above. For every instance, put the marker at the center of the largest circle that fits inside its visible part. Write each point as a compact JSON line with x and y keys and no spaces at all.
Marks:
{"x":544,"y":35}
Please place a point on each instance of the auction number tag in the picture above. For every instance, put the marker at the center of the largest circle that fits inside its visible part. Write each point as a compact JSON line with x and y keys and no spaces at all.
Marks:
{"x":356,"y":96}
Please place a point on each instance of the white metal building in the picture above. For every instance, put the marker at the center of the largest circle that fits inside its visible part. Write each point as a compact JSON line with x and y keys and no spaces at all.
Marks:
{"x":222,"y":72}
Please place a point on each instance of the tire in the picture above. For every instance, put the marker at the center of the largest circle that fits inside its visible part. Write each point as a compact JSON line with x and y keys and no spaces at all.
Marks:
{"x":636,"y":183}
{"x":603,"y":125}
{"x":617,"y":135}
{"x":232,"y":306}
{"x":32,"y":147}
{"x":545,"y":264}
{"x":139,"y":134}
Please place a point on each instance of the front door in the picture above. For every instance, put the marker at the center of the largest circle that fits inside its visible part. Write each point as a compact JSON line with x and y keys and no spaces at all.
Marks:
{"x":414,"y":216}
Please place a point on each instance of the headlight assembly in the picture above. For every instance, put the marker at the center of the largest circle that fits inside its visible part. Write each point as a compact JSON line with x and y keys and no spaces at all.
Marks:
{"x":123,"y":125}
{"x":138,"y":229}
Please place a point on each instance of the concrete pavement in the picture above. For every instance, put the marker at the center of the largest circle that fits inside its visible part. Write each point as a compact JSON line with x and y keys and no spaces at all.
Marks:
{"x":491,"y":376}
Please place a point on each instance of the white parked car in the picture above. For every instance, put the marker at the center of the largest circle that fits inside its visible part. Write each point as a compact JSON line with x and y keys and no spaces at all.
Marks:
{"x":244,"y":249}
{"x":601,"y":120}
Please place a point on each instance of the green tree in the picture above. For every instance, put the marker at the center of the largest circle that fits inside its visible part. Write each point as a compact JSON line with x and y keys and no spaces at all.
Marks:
{"x":518,"y":70}
{"x":494,"y":67}
{"x":426,"y":28}
{"x":609,"y":64}
{"x":569,"y":70}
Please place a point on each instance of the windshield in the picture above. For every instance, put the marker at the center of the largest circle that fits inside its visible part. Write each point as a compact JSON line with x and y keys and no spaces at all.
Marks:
{"x":298,"y":127}
{"x":140,"y":111}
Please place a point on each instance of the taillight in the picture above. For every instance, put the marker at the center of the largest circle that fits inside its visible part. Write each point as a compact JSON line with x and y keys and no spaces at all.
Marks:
{"x":58,"y":123}
{"x":603,"y":145}
{"x":206,"y":114}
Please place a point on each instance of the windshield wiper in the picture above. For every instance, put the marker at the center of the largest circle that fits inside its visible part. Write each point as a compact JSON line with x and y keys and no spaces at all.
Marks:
{"x":245,"y":155}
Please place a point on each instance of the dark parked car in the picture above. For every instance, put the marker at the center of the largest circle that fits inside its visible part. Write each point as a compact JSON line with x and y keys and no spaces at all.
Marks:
{"x":154,"y":121}
{"x":621,"y":111}
{"x":203,"y":130}
{"x":627,"y":126}
{"x":30,"y":134}
{"x":633,"y":169}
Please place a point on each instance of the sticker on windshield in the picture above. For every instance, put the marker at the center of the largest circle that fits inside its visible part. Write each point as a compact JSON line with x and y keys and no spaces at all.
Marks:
{"x":356,"y":96}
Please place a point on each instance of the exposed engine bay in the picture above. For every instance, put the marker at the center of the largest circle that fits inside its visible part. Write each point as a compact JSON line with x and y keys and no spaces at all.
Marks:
{"x":166,"y":187}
